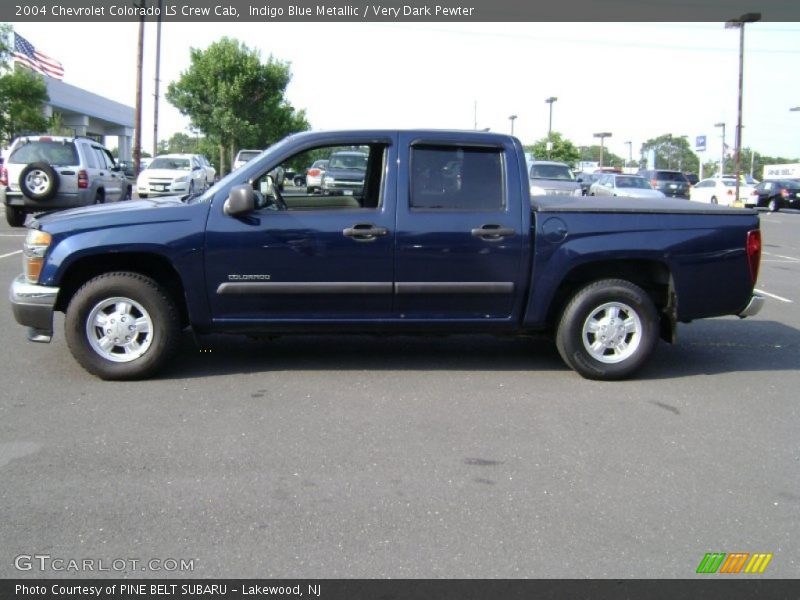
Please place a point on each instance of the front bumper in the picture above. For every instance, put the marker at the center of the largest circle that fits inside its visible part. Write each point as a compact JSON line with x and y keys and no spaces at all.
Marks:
{"x":33,"y":307}
{"x":753,"y":307}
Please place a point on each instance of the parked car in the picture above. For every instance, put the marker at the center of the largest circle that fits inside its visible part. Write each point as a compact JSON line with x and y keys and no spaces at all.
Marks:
{"x":719,"y":191}
{"x":412,"y":253}
{"x":344,"y":175}
{"x":314,"y":175}
{"x":627,"y":186}
{"x":552,"y":178}
{"x":670,"y":183}
{"x":44,"y":173}
{"x":244,"y":156}
{"x":775,"y":194}
{"x":585,"y":180}
{"x":171,"y":174}
{"x":211,"y":172}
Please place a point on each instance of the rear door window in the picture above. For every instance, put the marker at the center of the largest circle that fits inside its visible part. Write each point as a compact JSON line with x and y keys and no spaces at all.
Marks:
{"x":456,"y":178}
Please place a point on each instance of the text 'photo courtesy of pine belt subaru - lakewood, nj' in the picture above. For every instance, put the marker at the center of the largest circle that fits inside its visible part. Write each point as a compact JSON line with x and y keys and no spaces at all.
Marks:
{"x":441,"y":237}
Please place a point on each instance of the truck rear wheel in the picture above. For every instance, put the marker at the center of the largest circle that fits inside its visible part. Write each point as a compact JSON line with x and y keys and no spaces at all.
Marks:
{"x":608,"y":330}
{"x":122,"y":325}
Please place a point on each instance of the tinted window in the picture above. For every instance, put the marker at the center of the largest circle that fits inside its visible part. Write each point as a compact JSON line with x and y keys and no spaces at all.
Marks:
{"x":671,"y":176}
{"x":53,"y":153}
{"x":456,"y":178}
{"x":248,"y":155}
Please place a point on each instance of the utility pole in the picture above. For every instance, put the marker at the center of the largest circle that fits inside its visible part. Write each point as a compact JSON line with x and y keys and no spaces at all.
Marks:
{"x":158,"y":80}
{"x":722,"y":154}
{"x":630,"y":152}
{"x":739,"y":24}
{"x":137,"y":125}
{"x":475,"y":116}
{"x":550,"y":101}
{"x":602,"y":135}
{"x":512,"y":118}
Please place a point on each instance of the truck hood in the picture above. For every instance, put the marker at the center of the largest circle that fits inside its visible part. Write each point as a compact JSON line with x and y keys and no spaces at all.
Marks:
{"x":131,"y":212}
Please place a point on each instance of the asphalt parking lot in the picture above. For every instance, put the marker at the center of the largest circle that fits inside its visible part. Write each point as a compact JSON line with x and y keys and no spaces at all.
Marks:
{"x":326,"y":457}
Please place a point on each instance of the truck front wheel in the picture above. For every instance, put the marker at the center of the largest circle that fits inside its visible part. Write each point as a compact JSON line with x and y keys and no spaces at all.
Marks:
{"x":122,"y":325}
{"x":608,"y":330}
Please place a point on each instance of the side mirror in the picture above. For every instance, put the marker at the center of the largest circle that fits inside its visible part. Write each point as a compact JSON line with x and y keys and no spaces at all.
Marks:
{"x":241,"y":200}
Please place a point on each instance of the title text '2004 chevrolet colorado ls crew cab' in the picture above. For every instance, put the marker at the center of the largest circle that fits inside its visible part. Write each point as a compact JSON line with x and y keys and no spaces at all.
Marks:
{"x":443,"y":237}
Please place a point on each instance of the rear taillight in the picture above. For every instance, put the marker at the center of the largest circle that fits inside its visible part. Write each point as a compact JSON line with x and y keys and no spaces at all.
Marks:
{"x":83,"y":179}
{"x":730,"y":192}
{"x":314,"y":172}
{"x":3,"y":176}
{"x":754,"y":252}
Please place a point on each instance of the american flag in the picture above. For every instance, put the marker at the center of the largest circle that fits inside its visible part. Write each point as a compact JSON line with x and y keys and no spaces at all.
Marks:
{"x":25,"y":53}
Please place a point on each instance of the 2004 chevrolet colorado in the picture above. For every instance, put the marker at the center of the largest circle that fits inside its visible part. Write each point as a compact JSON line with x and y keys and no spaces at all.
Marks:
{"x":443,"y":237}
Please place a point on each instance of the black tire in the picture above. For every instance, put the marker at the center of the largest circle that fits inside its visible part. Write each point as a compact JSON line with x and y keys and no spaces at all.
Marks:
{"x":148,"y":300}
{"x":299,"y":182}
{"x":599,"y":298}
{"x":15,"y":216}
{"x":713,"y":200}
{"x":99,"y":197}
{"x":773,"y":205}
{"x":128,"y":193}
{"x":142,"y":196}
{"x":38,"y":181}
{"x":309,"y":190}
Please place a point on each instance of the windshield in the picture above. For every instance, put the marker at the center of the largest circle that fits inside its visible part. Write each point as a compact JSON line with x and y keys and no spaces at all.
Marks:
{"x":633,"y":182}
{"x":246,"y":155}
{"x":348,"y":161}
{"x":53,"y":153}
{"x":174,"y":164}
{"x":552,"y":172}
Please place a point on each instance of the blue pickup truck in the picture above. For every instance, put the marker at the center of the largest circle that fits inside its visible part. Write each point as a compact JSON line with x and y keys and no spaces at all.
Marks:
{"x":443,"y":237}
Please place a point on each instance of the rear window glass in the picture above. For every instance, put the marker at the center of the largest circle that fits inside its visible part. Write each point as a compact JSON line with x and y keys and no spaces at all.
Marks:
{"x":551,"y":172}
{"x":632,"y":182}
{"x":248,"y":155}
{"x":669,"y":176}
{"x":52,"y":153}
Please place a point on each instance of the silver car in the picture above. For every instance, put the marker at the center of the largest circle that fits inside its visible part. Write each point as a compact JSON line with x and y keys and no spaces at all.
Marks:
{"x":627,"y":186}
{"x":549,"y":178}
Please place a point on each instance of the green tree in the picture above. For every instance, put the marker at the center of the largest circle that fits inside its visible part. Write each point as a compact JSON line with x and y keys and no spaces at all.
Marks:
{"x":563,"y":150}
{"x":592,"y":154}
{"x":235,"y":99}
{"x":22,"y":96}
{"x":672,"y":152}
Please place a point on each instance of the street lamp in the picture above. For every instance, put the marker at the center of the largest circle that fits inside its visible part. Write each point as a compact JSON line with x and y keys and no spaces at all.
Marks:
{"x":739,"y":24}
{"x":722,"y":153}
{"x":630,"y":152}
{"x":512,"y":118}
{"x":602,"y":135}
{"x":550,"y":101}
{"x":794,"y":109}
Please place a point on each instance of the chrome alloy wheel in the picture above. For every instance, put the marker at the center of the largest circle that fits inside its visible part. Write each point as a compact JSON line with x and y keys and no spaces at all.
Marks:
{"x":612,"y":332}
{"x":119,"y":329}
{"x":37,"y":181}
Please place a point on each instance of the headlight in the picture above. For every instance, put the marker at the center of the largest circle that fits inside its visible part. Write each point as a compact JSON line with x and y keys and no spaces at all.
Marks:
{"x":33,"y":251}
{"x":538,"y":191}
{"x":183,"y":179}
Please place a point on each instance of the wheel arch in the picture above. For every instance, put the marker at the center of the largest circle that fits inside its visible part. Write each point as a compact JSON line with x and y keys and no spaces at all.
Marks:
{"x":150,"y":264}
{"x":653,"y":276}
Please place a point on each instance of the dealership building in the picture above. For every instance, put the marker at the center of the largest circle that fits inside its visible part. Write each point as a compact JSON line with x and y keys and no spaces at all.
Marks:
{"x":91,"y":115}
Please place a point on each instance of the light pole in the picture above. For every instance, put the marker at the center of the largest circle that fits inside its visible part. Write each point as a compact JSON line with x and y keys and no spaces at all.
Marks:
{"x":795,"y":109}
{"x":722,"y":153}
{"x":602,"y":135}
{"x":512,"y":118}
{"x":739,"y":24}
{"x":550,"y":101}
{"x":630,"y":152}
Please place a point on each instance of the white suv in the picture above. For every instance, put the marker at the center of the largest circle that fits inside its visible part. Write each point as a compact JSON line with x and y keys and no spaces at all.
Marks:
{"x":44,"y":173}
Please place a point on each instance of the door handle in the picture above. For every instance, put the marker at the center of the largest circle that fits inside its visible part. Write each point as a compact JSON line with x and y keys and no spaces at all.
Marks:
{"x":492,"y":233}
{"x":364,"y":232}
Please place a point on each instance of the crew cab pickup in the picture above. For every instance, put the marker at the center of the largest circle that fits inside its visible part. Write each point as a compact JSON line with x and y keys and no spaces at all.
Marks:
{"x":442,"y":238}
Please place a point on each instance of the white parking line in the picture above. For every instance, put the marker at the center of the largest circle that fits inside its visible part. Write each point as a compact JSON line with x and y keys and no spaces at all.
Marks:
{"x":781,"y":298}
{"x":11,"y":254}
{"x":12,"y":235}
{"x":781,"y":256}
